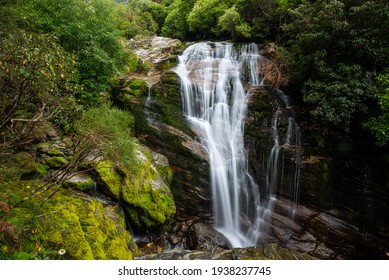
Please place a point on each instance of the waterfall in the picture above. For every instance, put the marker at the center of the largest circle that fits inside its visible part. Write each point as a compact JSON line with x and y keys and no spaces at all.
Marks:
{"x":286,"y":139}
{"x":213,"y":81}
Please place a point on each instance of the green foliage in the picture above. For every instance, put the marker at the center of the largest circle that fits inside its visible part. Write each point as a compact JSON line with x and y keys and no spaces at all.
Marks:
{"x":137,"y":87}
{"x":231,"y":22}
{"x":204,"y":16}
{"x":36,"y":84}
{"x":336,"y":47}
{"x":379,"y":125}
{"x":339,"y":93}
{"x":87,"y":29}
{"x":141,"y":18}
{"x":133,"y":62}
{"x":176,"y":24}
{"x":262,"y":16}
{"x":110,"y":128}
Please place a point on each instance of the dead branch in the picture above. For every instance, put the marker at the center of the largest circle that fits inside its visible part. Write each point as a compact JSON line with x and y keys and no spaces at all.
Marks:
{"x":34,"y":119}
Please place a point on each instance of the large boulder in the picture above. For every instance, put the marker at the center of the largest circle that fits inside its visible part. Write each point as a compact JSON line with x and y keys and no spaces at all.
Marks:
{"x":85,"y":228}
{"x":205,"y":238}
{"x":143,"y":190}
{"x":158,"y":51}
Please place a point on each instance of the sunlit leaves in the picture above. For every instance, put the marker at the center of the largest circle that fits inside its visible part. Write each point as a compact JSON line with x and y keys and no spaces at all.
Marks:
{"x":87,"y":29}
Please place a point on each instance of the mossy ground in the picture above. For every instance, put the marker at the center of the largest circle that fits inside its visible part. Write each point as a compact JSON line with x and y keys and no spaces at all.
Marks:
{"x":39,"y":218}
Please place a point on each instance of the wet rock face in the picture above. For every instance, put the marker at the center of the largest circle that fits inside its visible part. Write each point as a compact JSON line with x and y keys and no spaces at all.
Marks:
{"x":321,"y":234}
{"x":160,"y":124}
{"x":342,"y":211}
{"x":155,"y":50}
{"x":205,"y":238}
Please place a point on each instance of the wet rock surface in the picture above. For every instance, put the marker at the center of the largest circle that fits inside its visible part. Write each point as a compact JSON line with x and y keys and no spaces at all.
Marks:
{"x":339,"y":208}
{"x":270,"y":251}
{"x":342,"y":203}
{"x":161,"y":125}
{"x":203,"y":237}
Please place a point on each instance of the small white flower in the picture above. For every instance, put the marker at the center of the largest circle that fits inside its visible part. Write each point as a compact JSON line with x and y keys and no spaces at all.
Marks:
{"x":61,"y":252}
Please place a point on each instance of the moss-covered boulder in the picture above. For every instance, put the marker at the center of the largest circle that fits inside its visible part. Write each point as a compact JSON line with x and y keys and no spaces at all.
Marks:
{"x":54,"y":151}
{"x":56,"y":162}
{"x":81,"y":181}
{"x":86,"y":228}
{"x":143,"y":190}
{"x":24,"y":165}
{"x":108,"y":176}
{"x":147,"y":196}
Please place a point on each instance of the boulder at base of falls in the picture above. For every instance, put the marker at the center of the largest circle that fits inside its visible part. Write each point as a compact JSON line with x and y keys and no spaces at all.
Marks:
{"x":203,"y":237}
{"x":143,"y":190}
{"x":85,"y":228}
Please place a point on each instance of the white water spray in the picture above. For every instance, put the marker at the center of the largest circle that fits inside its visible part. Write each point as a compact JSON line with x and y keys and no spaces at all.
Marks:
{"x":215,"y":103}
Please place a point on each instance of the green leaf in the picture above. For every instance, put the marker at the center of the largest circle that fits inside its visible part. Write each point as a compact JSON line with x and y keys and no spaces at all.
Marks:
{"x":21,"y":256}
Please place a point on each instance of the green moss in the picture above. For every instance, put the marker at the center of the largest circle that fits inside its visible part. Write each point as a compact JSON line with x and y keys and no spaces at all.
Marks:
{"x":149,"y":201}
{"x":80,"y":225}
{"x":81,"y":182}
{"x":23,"y":165}
{"x":56,"y":162}
{"x":167,"y":64}
{"x":42,"y":168}
{"x":109,"y":177}
{"x":136,"y":87}
{"x":166,"y":172}
{"x":54,"y":152}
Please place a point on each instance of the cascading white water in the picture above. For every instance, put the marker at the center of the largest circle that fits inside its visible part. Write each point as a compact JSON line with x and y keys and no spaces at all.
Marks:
{"x":291,"y":142}
{"x":215,"y":103}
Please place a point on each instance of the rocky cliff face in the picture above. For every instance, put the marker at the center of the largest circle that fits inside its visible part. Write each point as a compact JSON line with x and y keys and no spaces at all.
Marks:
{"x":339,"y":213}
{"x":161,"y":125}
{"x":318,"y":225}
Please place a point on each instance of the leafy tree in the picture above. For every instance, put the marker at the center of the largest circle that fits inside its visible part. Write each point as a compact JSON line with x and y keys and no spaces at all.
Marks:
{"x":87,"y":29}
{"x":176,"y":24}
{"x":379,"y":125}
{"x":261,"y":15}
{"x":204,"y":16}
{"x":336,"y":51}
{"x":136,"y":24}
{"x":36,"y":85}
{"x":231,"y":22}
{"x":142,"y":18}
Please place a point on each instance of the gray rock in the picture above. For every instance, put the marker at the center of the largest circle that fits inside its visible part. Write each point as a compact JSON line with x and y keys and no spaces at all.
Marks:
{"x":204,"y":237}
{"x":80,"y":181}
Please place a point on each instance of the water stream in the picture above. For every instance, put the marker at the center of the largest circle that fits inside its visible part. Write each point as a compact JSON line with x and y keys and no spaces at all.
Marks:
{"x":216,"y":80}
{"x":213,"y":81}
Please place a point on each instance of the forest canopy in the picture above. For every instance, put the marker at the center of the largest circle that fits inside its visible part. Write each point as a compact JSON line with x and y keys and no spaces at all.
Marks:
{"x":337,"y":50}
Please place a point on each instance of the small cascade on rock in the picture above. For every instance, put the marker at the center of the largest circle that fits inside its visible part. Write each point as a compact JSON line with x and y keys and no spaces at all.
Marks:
{"x":148,"y":94}
{"x":214,"y":80}
{"x":147,"y":104}
{"x":286,"y":141}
